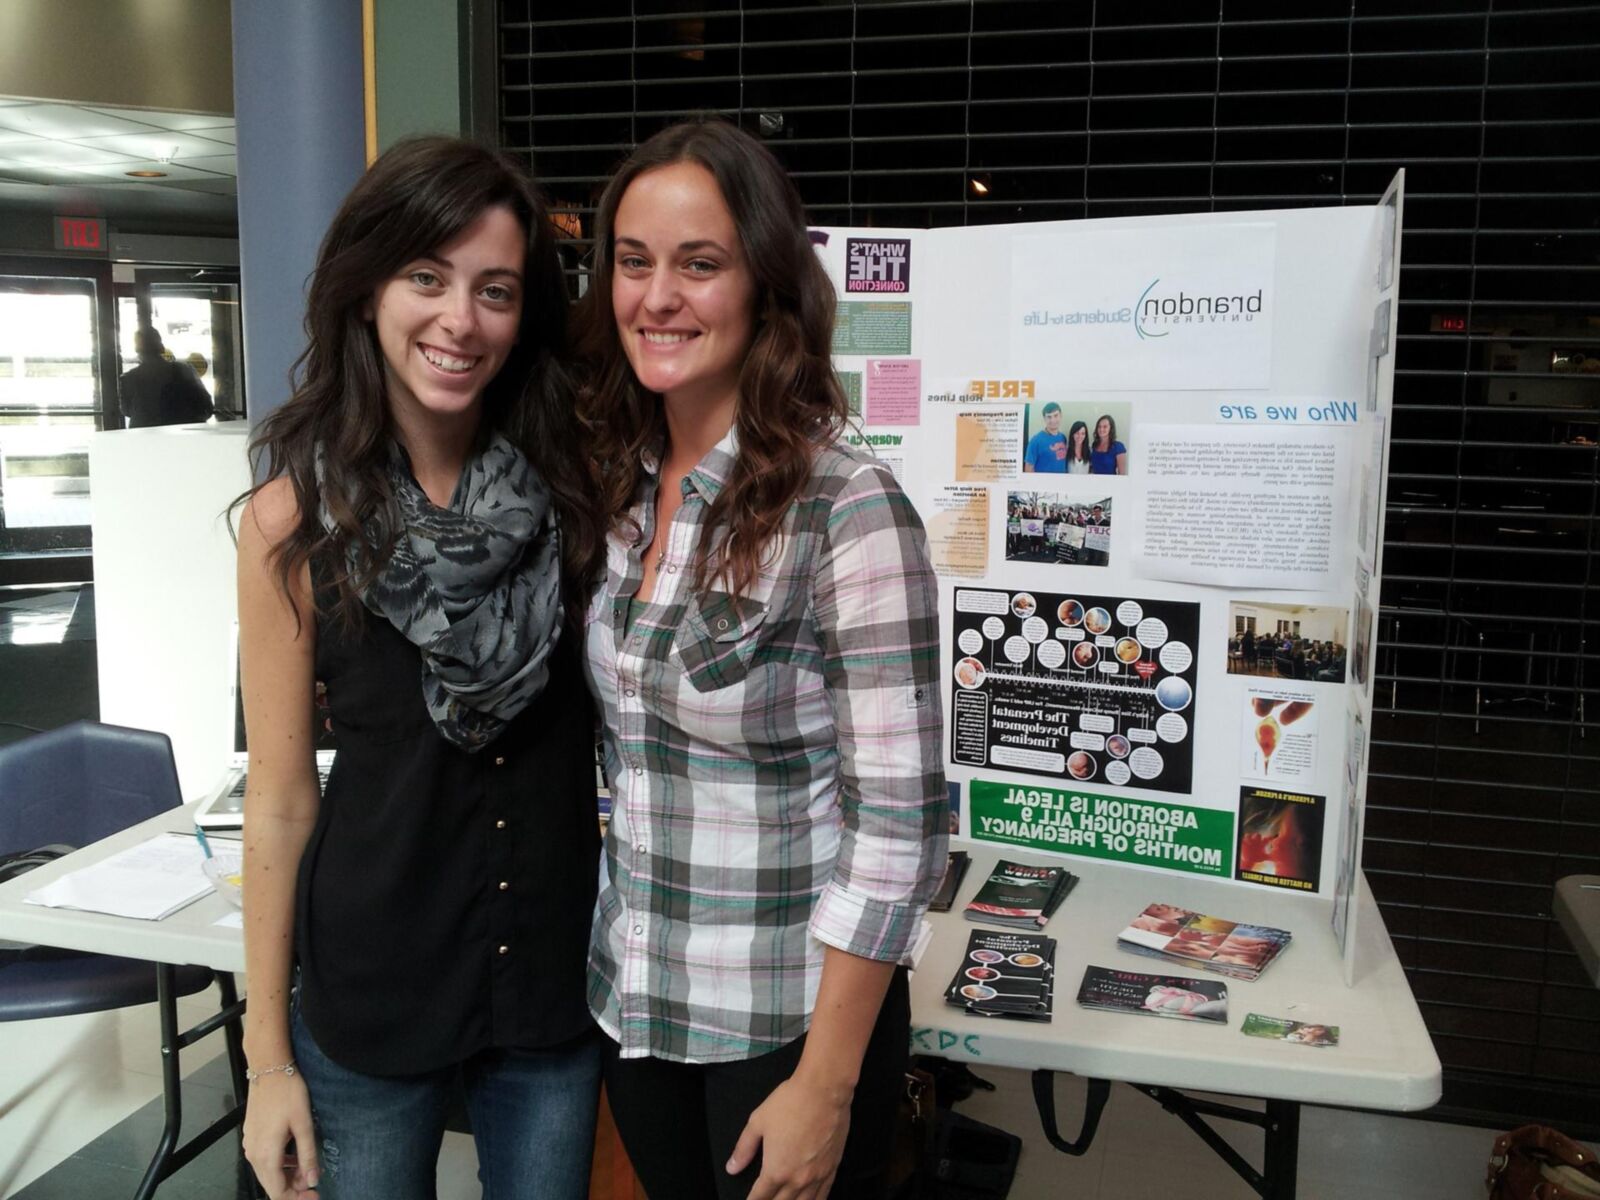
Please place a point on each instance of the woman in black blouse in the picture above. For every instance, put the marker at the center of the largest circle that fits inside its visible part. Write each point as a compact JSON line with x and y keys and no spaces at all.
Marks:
{"x":427,"y":918}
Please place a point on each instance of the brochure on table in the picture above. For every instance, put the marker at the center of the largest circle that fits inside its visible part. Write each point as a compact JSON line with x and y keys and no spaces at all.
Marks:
{"x":1157,"y":647}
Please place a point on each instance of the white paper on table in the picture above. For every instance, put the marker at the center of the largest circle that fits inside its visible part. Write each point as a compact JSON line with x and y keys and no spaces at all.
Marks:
{"x":148,"y":882}
{"x":233,"y":920}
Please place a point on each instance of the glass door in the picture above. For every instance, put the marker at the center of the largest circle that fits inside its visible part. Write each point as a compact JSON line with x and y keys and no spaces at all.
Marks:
{"x":50,"y":402}
{"x":196,"y":312}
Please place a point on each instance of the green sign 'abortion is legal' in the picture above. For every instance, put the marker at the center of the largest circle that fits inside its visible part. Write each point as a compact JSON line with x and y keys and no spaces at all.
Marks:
{"x":1153,"y":833}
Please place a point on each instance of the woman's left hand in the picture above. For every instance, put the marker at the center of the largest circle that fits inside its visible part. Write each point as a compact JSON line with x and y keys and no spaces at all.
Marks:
{"x":800,"y":1130}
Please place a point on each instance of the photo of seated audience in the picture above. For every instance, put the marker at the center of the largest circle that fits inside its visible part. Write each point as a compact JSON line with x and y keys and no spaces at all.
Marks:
{"x":1042,"y":527}
{"x":1301,"y":642}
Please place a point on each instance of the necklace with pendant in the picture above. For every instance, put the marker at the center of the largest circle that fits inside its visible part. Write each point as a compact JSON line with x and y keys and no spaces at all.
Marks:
{"x":662,"y":533}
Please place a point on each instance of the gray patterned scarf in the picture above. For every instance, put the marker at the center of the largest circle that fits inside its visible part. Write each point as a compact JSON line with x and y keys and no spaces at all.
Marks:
{"x":476,"y":587}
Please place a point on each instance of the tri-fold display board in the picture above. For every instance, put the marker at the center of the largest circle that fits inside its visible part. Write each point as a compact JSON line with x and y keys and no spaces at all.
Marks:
{"x":1150,"y":456}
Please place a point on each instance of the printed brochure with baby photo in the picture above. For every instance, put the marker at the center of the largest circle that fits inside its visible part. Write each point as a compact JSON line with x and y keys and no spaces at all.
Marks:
{"x":1211,"y":943}
{"x":1005,"y":975}
{"x":1110,"y":990}
{"x":1020,"y":895}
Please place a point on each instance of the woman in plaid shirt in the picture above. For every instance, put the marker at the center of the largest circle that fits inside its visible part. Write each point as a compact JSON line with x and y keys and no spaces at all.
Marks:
{"x":764,"y":646}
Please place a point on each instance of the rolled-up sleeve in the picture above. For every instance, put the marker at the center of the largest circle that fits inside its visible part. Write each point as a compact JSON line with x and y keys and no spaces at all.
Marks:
{"x":876,"y":607}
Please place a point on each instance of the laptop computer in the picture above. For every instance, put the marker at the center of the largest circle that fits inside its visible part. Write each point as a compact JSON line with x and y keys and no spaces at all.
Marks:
{"x":222,"y":810}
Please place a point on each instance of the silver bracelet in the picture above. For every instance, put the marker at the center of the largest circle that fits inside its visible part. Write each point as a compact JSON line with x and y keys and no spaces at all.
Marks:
{"x":287,"y":1068}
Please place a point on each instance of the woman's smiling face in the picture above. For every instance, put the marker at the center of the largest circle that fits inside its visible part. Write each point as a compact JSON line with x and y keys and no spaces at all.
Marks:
{"x":448,"y":319}
{"x":682,"y":292}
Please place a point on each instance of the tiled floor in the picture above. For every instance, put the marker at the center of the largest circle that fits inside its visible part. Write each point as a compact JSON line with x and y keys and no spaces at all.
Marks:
{"x":80,"y":1112}
{"x":1142,"y":1152}
{"x":45,"y":618}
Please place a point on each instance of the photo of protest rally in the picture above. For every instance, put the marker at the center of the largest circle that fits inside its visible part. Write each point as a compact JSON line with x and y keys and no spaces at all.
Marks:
{"x":1047,"y":527}
{"x":1288,"y":641}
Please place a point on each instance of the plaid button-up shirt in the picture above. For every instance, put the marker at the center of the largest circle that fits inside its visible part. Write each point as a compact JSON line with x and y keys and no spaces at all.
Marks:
{"x":776,"y":765}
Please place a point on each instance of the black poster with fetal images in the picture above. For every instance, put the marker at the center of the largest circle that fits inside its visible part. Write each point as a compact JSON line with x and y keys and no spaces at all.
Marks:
{"x":1083,"y":688}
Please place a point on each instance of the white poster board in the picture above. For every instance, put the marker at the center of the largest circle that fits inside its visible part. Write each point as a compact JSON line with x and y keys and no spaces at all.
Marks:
{"x":1157,"y":647}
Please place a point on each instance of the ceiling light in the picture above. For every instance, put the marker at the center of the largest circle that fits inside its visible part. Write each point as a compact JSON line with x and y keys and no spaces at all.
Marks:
{"x":147,"y":174}
{"x":979,"y":187}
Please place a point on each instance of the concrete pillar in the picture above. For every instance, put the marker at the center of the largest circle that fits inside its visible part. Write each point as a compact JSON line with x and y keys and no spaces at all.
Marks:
{"x":298,"y":103}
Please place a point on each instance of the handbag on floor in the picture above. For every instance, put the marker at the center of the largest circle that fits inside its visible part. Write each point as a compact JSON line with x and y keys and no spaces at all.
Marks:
{"x":1540,"y":1163}
{"x":913,"y":1135}
{"x":971,"y":1160}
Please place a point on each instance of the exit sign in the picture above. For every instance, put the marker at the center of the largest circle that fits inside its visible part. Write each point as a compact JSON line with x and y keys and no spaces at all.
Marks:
{"x":80,"y":233}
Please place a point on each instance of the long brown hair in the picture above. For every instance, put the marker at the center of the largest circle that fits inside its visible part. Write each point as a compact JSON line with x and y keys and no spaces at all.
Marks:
{"x":790,"y":401}
{"x":417,"y":196}
{"x":1111,"y":431}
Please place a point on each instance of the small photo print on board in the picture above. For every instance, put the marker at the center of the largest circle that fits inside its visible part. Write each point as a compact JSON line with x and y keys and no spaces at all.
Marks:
{"x":1046,"y":527}
{"x":1363,"y":641}
{"x":1076,"y":438}
{"x":1288,"y":641}
{"x":1280,"y":838}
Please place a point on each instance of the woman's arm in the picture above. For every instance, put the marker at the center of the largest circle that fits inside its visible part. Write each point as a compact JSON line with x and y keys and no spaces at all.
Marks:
{"x":813,"y":1104}
{"x":875,"y":603}
{"x":281,"y":798}
{"x":1122,"y":461}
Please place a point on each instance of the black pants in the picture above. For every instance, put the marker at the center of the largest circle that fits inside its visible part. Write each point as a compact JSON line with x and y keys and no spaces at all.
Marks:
{"x":680,"y":1121}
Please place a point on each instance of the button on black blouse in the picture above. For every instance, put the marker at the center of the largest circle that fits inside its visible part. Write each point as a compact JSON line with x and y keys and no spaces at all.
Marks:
{"x":444,"y":898}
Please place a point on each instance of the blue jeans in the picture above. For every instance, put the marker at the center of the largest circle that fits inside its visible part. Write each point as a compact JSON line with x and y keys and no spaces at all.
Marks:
{"x":533,"y":1114}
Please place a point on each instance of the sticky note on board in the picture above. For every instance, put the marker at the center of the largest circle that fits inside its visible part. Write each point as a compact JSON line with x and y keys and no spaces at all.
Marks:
{"x":894,"y":391}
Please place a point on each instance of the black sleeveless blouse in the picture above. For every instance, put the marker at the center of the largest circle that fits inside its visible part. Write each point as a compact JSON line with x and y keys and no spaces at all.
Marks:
{"x":444,"y":898}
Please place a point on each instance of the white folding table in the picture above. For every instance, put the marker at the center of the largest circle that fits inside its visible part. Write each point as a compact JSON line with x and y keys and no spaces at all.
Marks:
{"x":188,"y":937}
{"x":1384,"y":1059}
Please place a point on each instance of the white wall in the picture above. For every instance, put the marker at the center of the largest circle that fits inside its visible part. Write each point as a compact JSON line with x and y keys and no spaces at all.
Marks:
{"x":164,"y":585}
{"x":161,"y":54}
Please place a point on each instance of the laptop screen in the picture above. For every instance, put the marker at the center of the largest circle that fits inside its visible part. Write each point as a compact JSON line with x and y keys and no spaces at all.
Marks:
{"x":320,"y":716}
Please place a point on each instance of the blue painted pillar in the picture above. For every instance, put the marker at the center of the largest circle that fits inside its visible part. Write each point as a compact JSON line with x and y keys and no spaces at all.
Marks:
{"x":298,"y":105}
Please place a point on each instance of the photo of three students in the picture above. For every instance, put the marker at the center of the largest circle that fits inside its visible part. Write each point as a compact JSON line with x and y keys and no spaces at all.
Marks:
{"x":1089,"y":446}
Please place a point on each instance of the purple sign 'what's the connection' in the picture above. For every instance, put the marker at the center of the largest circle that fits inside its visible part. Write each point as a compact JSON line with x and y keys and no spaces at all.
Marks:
{"x":878,"y":265}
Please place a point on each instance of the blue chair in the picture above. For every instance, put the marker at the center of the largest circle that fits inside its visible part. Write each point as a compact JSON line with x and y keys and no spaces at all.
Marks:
{"x":77,"y":785}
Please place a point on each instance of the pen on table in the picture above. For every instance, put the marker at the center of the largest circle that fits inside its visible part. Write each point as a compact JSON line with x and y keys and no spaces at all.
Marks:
{"x":200,"y":836}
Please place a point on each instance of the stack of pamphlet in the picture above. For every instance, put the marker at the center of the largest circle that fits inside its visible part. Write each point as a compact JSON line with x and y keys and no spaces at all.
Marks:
{"x":1154,"y":995}
{"x":955,"y":871}
{"x":1210,"y":943}
{"x":1005,"y":975}
{"x":1020,"y":896}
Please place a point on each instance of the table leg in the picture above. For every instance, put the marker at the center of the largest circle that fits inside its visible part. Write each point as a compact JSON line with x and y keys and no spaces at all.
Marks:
{"x":169,"y":1156}
{"x":1281,"y":1162}
{"x":233,"y":1034}
{"x":171,"y":1083}
{"x":1280,"y":1126}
